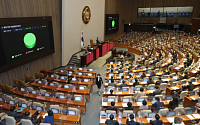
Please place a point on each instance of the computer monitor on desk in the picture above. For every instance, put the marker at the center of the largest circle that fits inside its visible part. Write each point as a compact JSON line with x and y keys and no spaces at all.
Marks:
{"x":125,"y":89}
{"x":140,"y":73}
{"x":73,"y":79}
{"x":189,"y":111}
{"x":86,"y":80}
{"x":52,"y":76}
{"x":168,"y":97}
{"x":62,"y":77}
{"x":111,"y":99}
{"x":82,"y":87}
{"x":80,"y":68}
{"x":66,"y":86}
{"x":71,"y":113}
{"x":61,"y":96}
{"x":151,"y":88}
{"x":39,"y":82}
{"x":77,"y":98}
{"x":39,"y":108}
{"x":125,"y":99}
{"x":108,"y":115}
{"x":145,"y":79}
{"x":47,"y":94}
{"x":151,"y":115}
{"x":80,"y":73}
{"x":23,"y":89}
{"x":192,"y":93}
{"x":34,"y":92}
{"x":137,"y":89}
{"x":89,"y":74}
{"x":24,"y":105}
{"x":171,"y":113}
{"x":11,"y":102}
{"x":52,"y":84}
{"x":55,"y":111}
{"x":140,"y":99}
{"x":90,"y":69}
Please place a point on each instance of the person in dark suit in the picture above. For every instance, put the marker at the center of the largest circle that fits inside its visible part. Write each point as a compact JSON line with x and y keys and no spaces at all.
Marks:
{"x":131,"y":121}
{"x":112,"y":79}
{"x":130,"y":107}
{"x":143,"y":75}
{"x":156,"y":92}
{"x":112,"y":107}
{"x":186,"y":76}
{"x":99,"y":81}
{"x":111,"y":93}
{"x":34,"y":121}
{"x":190,"y":86}
{"x":173,"y":104}
{"x":136,"y":82}
{"x":123,"y":84}
{"x":111,"y":121}
{"x":13,"y":113}
{"x":97,"y":41}
{"x":49,"y":118}
{"x":158,"y":105}
{"x":152,"y":74}
{"x":159,"y":81}
{"x":150,"y":81}
{"x":157,"y":121}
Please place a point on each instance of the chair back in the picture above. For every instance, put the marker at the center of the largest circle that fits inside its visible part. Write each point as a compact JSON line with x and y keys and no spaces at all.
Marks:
{"x":10,"y":120}
{"x":26,"y":122}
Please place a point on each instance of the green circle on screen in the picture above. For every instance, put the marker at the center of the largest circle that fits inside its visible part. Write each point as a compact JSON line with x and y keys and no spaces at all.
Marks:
{"x":113,"y":23}
{"x":30,"y":40}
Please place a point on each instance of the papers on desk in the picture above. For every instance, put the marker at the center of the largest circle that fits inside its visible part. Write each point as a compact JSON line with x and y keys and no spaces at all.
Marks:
{"x":175,"y":88}
{"x":171,"y":119}
{"x":127,"y":77}
{"x":150,"y":91}
{"x":139,"y":103}
{"x":193,"y":71}
{"x":106,"y":84}
{"x":195,"y":83}
{"x":46,"y":114}
{"x":165,"y":80}
{"x":118,"y":92}
{"x":143,"y":82}
{"x":177,"y":68}
{"x":197,"y":116}
{"x":104,"y":103}
{"x":148,"y":119}
{"x":124,"y":104}
{"x":130,"y":83}
{"x":190,"y":117}
{"x":159,"y":74}
{"x":175,"y":77}
{"x":193,"y":98}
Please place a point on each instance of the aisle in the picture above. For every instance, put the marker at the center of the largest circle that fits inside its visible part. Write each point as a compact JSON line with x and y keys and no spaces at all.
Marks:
{"x":93,"y":107}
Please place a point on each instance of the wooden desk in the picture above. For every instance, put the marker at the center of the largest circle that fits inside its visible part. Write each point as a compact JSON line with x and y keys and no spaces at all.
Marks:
{"x":144,"y":121}
{"x":58,"y":118}
{"x":135,"y":105}
{"x":53,"y":100}
{"x":85,"y":93}
{"x":47,"y":72}
{"x":77,"y":83}
{"x":189,"y":101}
{"x":83,"y":71}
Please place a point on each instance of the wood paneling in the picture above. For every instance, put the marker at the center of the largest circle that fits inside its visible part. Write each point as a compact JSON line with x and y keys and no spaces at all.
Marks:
{"x":32,"y":8}
{"x":127,"y":10}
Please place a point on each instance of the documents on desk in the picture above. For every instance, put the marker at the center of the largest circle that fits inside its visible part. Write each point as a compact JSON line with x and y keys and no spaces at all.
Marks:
{"x":170,"y":119}
{"x":175,"y":88}
{"x":195,"y":83}
{"x":196,"y":116}
{"x":139,"y":103}
{"x":190,"y":117}
{"x":124,"y":104}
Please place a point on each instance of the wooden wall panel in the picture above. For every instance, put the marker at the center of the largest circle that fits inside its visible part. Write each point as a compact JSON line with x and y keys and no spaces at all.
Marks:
{"x":32,"y":8}
{"x":127,"y":10}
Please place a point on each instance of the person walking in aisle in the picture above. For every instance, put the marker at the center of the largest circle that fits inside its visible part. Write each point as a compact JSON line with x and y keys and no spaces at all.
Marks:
{"x":99,"y":81}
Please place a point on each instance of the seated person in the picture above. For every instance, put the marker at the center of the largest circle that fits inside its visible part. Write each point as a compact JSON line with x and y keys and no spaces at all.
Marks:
{"x":144,"y":105}
{"x":158,"y":105}
{"x":123,"y":83}
{"x":112,"y":107}
{"x":173,"y":104}
{"x":112,"y":79}
{"x":190,"y":87}
{"x":159,"y":81}
{"x":49,"y":118}
{"x":136,"y":82}
{"x":13,"y":113}
{"x":150,"y":81}
{"x":34,"y":121}
{"x":140,"y":93}
{"x":177,"y":121}
{"x":131,"y":121}
{"x":152,"y":74}
{"x":156,"y":92}
{"x":111,"y":93}
{"x":111,"y":121}
{"x":129,"y":104}
{"x":143,"y":75}
{"x":157,"y":121}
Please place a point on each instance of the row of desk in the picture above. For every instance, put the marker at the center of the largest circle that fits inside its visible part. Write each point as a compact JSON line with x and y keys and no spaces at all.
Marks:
{"x":58,"y":118}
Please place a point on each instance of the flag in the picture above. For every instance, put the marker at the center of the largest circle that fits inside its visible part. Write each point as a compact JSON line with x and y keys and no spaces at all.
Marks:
{"x":82,"y":40}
